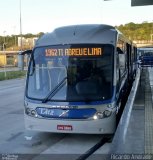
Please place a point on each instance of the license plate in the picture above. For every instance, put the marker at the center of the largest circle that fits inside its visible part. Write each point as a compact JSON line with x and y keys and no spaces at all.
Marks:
{"x":65,"y":127}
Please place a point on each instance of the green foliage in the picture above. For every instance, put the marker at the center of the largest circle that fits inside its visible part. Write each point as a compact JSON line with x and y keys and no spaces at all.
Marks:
{"x":137,"y":31}
{"x":12,"y":75}
{"x":134,"y":31}
{"x":12,"y":40}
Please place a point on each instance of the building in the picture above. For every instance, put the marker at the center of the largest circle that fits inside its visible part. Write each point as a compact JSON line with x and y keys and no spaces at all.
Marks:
{"x":27,"y":42}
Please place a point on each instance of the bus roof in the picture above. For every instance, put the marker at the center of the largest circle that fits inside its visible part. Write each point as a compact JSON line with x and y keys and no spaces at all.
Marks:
{"x":74,"y":34}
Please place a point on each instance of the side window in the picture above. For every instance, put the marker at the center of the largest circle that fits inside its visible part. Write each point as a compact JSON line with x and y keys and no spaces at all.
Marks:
{"x":121,"y":49}
{"x":117,"y":71}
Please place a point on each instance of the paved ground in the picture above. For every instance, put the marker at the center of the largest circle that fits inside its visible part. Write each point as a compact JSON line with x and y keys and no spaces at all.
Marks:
{"x":139,"y":136}
{"x":149,"y":112}
{"x":15,"y":140}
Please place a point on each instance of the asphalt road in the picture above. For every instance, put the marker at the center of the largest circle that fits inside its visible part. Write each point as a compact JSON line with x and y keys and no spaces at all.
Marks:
{"x":14,"y":139}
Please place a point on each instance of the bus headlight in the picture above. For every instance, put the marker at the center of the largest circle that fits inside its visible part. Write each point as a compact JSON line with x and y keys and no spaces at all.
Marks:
{"x":100,"y":115}
{"x":31,"y":112}
{"x":107,"y":113}
{"x":95,"y":117}
{"x":27,"y":111}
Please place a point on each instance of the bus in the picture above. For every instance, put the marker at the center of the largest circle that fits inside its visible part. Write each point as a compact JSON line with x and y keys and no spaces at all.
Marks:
{"x":77,"y":79}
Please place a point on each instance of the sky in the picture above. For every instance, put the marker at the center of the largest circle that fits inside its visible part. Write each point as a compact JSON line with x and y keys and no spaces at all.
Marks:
{"x":46,"y":15}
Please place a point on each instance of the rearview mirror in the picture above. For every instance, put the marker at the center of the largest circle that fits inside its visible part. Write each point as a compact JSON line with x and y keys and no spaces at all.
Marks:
{"x":119,"y":51}
{"x":28,"y":52}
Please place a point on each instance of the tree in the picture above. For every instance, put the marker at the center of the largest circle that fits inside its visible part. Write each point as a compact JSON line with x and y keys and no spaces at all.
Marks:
{"x":137,"y":31}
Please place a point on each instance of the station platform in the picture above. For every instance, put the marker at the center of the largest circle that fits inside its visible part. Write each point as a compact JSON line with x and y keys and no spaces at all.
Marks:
{"x":136,"y":136}
{"x":149,"y":112}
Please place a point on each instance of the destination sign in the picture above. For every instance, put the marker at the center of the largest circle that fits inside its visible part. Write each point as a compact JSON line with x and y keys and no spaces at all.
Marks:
{"x":74,"y":52}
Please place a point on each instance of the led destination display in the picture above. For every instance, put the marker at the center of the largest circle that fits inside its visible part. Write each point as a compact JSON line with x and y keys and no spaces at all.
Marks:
{"x":74,"y":52}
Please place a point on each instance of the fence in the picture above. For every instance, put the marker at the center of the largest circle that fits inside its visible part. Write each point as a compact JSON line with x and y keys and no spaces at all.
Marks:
{"x":12,"y":60}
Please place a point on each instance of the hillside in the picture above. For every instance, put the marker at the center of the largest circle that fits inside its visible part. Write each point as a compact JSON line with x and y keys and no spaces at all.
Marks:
{"x":134,"y":31}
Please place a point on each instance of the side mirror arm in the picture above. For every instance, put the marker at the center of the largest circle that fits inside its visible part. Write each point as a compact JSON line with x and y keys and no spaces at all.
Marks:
{"x":28,"y":52}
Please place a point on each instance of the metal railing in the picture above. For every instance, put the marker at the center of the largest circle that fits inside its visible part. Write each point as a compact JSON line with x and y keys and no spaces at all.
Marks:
{"x":12,"y":60}
{"x":118,"y":143}
{"x":8,"y":60}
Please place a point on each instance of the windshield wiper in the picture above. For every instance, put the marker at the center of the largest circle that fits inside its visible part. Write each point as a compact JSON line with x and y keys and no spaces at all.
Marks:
{"x":55,"y":90}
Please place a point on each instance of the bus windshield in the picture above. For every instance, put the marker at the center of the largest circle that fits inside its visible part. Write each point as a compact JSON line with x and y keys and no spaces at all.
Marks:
{"x":76,"y":72}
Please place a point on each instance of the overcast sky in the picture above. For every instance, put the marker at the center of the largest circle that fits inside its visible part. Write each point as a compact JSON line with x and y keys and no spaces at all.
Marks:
{"x":45,"y":15}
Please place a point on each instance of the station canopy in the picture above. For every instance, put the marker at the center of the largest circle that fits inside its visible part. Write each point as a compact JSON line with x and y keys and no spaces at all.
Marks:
{"x":141,"y":2}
